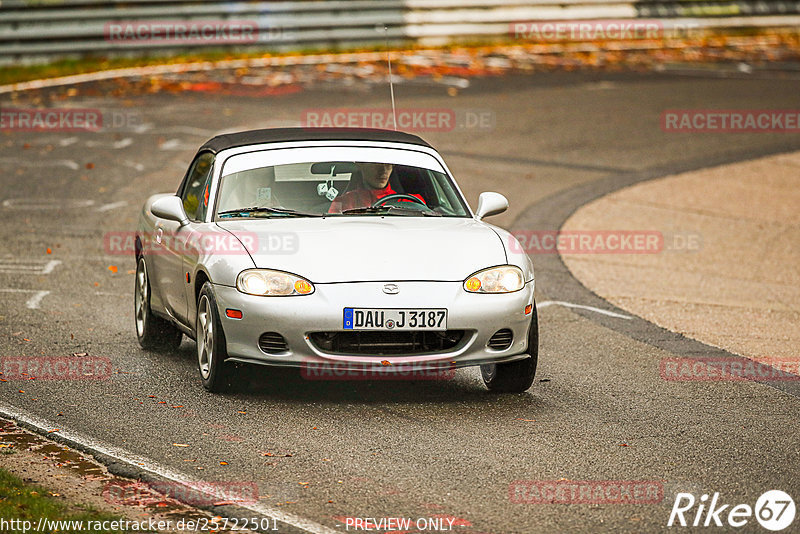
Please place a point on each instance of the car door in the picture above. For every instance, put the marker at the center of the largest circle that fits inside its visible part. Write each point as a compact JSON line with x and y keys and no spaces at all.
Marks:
{"x":196,"y":245}
{"x":175,"y":239}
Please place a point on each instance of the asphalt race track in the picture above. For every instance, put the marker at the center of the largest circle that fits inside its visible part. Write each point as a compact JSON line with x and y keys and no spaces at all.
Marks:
{"x":321,"y":451}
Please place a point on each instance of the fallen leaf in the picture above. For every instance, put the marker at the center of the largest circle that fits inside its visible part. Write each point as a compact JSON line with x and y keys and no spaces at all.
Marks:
{"x":90,"y":165}
{"x":113,"y":268}
{"x":223,"y":463}
{"x":180,"y":444}
{"x":49,"y":251}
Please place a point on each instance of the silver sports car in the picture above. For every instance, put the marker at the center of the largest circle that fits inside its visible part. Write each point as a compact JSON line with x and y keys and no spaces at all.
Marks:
{"x":352,"y":249}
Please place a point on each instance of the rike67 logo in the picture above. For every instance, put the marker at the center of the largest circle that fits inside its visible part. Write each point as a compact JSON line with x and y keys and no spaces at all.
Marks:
{"x":774,"y":510}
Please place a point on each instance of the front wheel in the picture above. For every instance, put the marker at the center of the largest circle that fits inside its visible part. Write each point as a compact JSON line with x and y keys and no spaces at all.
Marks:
{"x":153,"y":332}
{"x":515,"y":377}
{"x":211,"y":352}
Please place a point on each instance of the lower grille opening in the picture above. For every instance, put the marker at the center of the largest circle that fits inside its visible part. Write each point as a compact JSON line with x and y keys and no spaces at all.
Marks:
{"x":386,"y":343}
{"x":501,"y":339}
{"x":272,"y":343}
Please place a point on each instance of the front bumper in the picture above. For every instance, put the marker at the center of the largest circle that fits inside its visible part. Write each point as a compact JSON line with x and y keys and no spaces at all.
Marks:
{"x":481,"y":315}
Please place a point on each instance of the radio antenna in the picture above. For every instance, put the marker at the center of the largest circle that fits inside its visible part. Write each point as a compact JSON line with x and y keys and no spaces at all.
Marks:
{"x":391,"y":78}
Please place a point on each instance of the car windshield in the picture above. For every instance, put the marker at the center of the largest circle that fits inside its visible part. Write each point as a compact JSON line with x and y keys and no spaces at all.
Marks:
{"x":338,"y":189}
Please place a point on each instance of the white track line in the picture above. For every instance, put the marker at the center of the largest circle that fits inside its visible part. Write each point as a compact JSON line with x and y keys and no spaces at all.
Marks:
{"x":314,"y":59}
{"x":27,"y":267}
{"x":546,"y":303}
{"x":43,"y":163}
{"x":52,"y":264}
{"x":145,"y":464}
{"x":32,"y":303}
{"x":112,"y":206}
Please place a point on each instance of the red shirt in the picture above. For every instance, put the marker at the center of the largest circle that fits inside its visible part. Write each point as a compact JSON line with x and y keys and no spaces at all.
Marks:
{"x":362,"y":198}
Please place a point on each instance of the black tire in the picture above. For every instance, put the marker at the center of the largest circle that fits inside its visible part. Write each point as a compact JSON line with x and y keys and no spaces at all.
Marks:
{"x":215,"y":373}
{"x":515,"y":377}
{"x":153,"y":332}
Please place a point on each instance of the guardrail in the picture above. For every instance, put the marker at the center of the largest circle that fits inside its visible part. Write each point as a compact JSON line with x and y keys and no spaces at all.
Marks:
{"x":51,"y":28}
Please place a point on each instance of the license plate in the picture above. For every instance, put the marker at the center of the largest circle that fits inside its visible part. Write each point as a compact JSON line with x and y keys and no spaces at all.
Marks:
{"x":395,"y":319}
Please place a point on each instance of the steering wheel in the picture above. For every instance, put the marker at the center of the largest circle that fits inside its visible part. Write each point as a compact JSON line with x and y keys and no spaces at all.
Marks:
{"x":383,"y":200}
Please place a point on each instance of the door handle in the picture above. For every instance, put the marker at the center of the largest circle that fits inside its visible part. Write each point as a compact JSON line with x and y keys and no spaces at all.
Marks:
{"x":159,"y":235}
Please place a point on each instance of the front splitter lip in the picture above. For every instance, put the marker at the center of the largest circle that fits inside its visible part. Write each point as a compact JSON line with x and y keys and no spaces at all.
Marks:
{"x":377,"y":364}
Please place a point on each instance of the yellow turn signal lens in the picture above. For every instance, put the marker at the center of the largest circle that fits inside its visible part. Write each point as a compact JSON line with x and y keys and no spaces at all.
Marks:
{"x":473,"y":284}
{"x":303,"y":287}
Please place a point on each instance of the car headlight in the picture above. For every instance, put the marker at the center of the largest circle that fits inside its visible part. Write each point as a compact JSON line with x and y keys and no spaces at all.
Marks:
{"x":265,"y":282}
{"x":503,"y":279}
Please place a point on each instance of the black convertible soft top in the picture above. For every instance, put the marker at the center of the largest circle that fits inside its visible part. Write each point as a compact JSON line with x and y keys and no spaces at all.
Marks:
{"x":281,"y":135}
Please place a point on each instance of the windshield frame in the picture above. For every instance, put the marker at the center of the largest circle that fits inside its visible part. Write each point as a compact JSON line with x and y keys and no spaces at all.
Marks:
{"x":224,"y":157}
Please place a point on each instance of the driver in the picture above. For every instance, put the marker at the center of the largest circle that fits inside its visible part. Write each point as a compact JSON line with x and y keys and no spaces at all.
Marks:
{"x":375,"y":185}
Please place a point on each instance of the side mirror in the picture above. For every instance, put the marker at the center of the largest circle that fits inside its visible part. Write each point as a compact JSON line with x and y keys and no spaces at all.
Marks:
{"x":170,"y":208}
{"x":491,"y":204}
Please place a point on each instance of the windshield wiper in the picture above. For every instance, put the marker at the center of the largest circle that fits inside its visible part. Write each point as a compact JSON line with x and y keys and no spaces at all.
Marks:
{"x":285,"y":212}
{"x":390,"y":210}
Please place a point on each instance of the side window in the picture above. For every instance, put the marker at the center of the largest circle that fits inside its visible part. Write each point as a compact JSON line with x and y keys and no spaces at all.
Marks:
{"x":195,"y":190}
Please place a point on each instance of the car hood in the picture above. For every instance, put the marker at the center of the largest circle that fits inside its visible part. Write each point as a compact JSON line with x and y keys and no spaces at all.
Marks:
{"x":356,"y":249}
